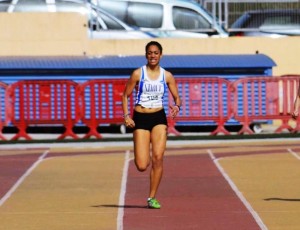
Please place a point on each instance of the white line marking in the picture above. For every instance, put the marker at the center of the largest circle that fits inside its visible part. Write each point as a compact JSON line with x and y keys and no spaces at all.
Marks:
{"x":129,"y":143}
{"x":237,"y":192}
{"x":294,"y":154}
{"x":22,"y":178}
{"x":123,"y":192}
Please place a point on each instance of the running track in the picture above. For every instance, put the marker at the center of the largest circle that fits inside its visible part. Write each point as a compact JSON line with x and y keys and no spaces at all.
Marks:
{"x":194,"y":194}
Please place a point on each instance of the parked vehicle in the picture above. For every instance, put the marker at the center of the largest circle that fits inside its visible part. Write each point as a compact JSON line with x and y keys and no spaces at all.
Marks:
{"x":165,"y":18}
{"x":270,"y":23}
{"x":101,"y":24}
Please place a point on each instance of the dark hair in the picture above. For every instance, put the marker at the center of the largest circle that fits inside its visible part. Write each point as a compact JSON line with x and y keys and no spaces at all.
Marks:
{"x":154,"y":43}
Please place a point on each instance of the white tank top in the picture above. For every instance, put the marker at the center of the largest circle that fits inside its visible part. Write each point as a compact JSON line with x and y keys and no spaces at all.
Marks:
{"x":150,"y":93}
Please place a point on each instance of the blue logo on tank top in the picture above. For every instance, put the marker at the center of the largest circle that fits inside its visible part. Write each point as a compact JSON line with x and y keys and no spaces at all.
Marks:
{"x":153,"y":88}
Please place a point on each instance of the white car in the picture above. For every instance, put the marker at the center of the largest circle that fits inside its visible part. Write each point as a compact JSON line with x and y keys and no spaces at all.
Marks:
{"x":102,"y":25}
{"x":165,"y":18}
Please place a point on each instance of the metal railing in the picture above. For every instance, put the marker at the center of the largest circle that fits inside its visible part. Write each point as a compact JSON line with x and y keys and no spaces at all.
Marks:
{"x":227,"y":11}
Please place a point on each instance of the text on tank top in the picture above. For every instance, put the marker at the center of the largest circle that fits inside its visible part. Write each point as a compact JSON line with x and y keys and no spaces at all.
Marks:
{"x":150,"y":93}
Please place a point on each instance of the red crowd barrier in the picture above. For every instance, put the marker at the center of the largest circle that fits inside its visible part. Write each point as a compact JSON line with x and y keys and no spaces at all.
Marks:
{"x":288,"y":90}
{"x":49,"y":102}
{"x":102,"y":103}
{"x":264,"y":98}
{"x":99,"y":102}
{"x":203,"y":99}
{"x":4,"y":108}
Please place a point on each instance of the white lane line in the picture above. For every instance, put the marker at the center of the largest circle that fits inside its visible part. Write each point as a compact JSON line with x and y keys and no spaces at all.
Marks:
{"x":123,"y":192}
{"x":22,"y":178}
{"x":237,"y":192}
{"x":294,"y":154}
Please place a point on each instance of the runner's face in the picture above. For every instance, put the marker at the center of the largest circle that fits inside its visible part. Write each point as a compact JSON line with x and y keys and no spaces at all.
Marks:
{"x":153,"y":55}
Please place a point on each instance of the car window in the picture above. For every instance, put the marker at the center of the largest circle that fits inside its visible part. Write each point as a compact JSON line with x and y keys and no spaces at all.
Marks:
{"x":135,"y":14}
{"x":4,"y":5}
{"x":29,"y":5}
{"x":110,"y":23}
{"x":277,"y":20}
{"x":187,"y":19}
{"x":254,"y":21}
{"x":146,"y":15}
{"x":118,"y":9}
{"x":287,"y":21}
{"x":264,"y":19}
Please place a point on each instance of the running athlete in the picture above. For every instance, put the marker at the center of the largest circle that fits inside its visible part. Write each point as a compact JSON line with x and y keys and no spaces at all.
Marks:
{"x":149,"y":121}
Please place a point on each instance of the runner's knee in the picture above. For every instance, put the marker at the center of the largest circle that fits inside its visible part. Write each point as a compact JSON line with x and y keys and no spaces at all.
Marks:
{"x":141,"y":166}
{"x":157,"y":160}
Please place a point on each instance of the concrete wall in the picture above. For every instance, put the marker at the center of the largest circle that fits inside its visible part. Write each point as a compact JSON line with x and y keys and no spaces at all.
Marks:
{"x":28,"y":34}
{"x":284,"y":51}
{"x":42,"y":34}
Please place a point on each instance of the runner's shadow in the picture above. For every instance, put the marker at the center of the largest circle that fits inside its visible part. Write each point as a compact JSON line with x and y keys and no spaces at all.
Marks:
{"x":281,"y":199}
{"x":119,"y":206}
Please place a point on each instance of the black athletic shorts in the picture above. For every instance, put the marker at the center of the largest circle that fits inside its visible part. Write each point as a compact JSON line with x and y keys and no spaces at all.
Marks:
{"x":149,"y":120}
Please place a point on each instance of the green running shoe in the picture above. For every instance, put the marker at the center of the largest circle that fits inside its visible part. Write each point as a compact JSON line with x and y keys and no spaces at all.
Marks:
{"x":153,"y":203}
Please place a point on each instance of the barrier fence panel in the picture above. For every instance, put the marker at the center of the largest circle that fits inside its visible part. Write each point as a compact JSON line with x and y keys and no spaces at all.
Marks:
{"x":264,"y":98}
{"x":48,"y":102}
{"x":98,"y":102}
{"x":101,"y":101}
{"x":288,"y":93}
{"x":4,"y":108}
{"x":203,"y":99}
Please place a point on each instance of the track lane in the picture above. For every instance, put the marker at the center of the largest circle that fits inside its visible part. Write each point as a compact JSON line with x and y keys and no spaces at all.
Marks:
{"x":194,"y":195}
{"x":13,"y":167}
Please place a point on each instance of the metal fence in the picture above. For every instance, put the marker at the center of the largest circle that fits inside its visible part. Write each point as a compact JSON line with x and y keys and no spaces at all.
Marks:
{"x":227,"y":11}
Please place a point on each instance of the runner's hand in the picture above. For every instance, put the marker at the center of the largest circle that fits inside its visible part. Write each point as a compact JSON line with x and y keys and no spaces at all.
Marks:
{"x":174,"y":110}
{"x":129,"y":122}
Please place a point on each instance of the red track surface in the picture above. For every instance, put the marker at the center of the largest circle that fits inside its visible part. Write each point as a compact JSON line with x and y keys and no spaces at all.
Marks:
{"x":12,"y":168}
{"x":193,"y":194}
